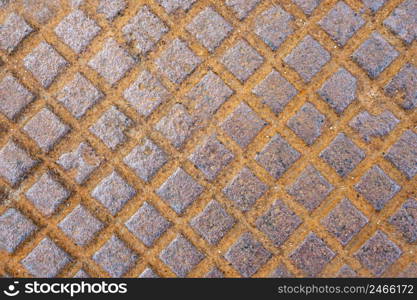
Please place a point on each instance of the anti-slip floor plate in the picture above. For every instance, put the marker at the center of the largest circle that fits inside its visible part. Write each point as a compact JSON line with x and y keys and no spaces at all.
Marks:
{"x":208,"y":138}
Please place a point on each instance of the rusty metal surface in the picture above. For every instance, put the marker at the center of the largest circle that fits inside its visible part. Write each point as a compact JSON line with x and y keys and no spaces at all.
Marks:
{"x":208,"y":138}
